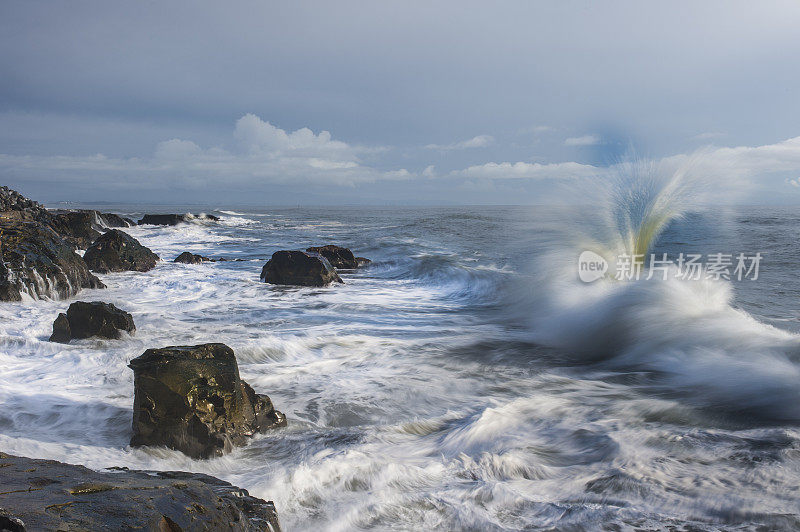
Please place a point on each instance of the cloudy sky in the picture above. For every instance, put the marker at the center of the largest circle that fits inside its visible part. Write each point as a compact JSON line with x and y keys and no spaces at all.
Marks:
{"x":391,"y":102}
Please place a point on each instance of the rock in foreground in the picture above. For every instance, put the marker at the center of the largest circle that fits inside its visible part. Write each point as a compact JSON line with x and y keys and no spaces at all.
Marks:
{"x":191,"y":258}
{"x":50,"y":495}
{"x":339,"y":257}
{"x":36,"y":261}
{"x":84,"y":320}
{"x":175,"y":219}
{"x":299,"y":268}
{"x":116,"y":251}
{"x":191,"y":399}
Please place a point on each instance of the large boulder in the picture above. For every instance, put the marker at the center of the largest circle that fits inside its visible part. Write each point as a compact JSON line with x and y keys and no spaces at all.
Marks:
{"x":299,"y":268}
{"x":190,"y":398}
{"x":36,"y":261}
{"x":116,"y":251}
{"x":175,"y":219}
{"x":50,"y":495}
{"x":339,"y":257}
{"x":84,"y":320}
{"x":191,"y":258}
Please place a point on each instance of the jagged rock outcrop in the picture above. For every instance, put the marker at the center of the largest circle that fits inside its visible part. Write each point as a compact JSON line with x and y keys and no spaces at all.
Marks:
{"x":50,"y":495}
{"x":190,"y":398}
{"x":84,"y":320}
{"x":190,"y":258}
{"x":299,"y":268}
{"x":175,"y":219}
{"x":339,"y":257}
{"x":82,"y":227}
{"x":35,"y":260}
{"x":116,"y":251}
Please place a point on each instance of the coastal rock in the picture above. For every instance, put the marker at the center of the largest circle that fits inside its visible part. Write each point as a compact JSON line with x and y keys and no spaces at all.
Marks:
{"x":175,"y":219}
{"x":77,"y":227}
{"x":116,"y":251}
{"x":11,"y":200}
{"x":36,"y":261}
{"x":339,"y":257}
{"x":84,"y":320}
{"x":50,"y":495}
{"x":190,"y":398}
{"x":363,"y":261}
{"x":191,"y":258}
{"x":299,"y":268}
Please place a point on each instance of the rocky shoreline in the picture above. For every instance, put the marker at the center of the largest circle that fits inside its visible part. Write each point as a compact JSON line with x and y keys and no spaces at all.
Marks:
{"x":50,"y":495}
{"x":187,"y":398}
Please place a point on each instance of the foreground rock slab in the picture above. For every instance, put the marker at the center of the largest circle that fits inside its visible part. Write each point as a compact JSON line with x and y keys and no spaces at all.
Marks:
{"x":191,"y":399}
{"x":299,"y":268}
{"x":85,"y":320}
{"x":50,"y":495}
{"x":175,"y":219}
{"x":116,"y":251}
{"x":36,"y":261}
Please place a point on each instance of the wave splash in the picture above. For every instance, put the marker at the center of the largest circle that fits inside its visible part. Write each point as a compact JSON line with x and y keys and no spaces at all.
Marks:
{"x":687,"y":335}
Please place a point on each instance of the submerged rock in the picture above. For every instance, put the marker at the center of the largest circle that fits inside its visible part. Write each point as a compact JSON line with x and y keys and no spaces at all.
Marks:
{"x":191,"y":399}
{"x":50,"y":495}
{"x":299,"y":268}
{"x":116,"y":251}
{"x":35,"y":260}
{"x":175,"y":219}
{"x":339,"y":257}
{"x":84,"y":320}
{"x":191,"y":258}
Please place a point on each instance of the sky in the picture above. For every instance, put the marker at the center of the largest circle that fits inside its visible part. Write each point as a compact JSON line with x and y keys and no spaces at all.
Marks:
{"x":392,"y":102}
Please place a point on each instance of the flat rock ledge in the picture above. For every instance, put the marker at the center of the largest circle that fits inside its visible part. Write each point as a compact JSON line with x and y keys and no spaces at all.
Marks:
{"x":50,"y":495}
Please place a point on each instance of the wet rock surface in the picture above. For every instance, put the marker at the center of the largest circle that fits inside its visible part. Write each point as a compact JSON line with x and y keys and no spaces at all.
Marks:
{"x":85,"y":320}
{"x":82,"y":227}
{"x":299,"y":268}
{"x":175,"y":219}
{"x":36,"y":261}
{"x":191,"y":258}
{"x":191,"y":399}
{"x":116,"y":251}
{"x":50,"y":495}
{"x":339,"y":257}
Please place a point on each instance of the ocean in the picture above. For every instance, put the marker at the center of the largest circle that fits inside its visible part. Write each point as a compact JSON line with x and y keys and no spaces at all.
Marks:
{"x":465,"y":380}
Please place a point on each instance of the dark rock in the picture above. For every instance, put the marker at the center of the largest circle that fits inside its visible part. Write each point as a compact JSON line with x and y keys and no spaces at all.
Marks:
{"x":339,"y":257}
{"x":11,"y":200}
{"x":190,"y":398}
{"x":61,"y":330}
{"x":110,"y":220}
{"x":50,"y":495}
{"x":299,"y":268}
{"x":116,"y":251}
{"x":84,"y":320}
{"x":363,"y":261}
{"x":190,"y":258}
{"x":36,"y":261}
{"x":175,"y":219}
{"x":77,"y":227}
